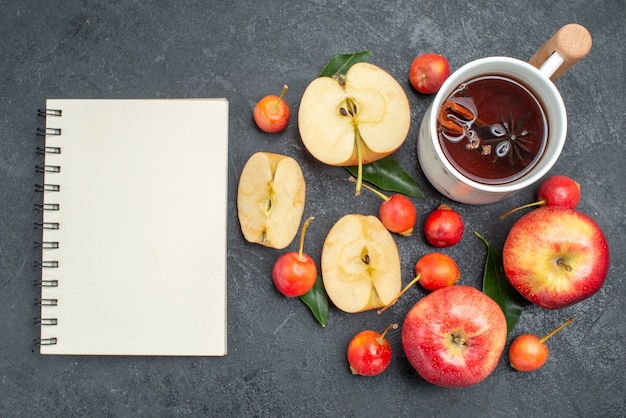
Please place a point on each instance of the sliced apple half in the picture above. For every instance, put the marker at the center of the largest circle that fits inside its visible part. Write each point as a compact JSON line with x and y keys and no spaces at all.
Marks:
{"x":354,"y":119}
{"x":270,"y":199}
{"x":360,"y":264}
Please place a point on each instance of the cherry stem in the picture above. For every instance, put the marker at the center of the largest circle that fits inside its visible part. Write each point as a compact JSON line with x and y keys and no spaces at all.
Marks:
{"x":304,"y":227}
{"x":563,"y":264}
{"x":537,"y":203}
{"x":367,"y":186}
{"x":382,"y":336}
{"x":563,"y":325}
{"x":280,"y":98}
{"x":402,"y":292}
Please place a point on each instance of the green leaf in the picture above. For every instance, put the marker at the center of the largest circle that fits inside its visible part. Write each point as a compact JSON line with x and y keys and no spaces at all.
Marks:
{"x":497,"y":286}
{"x":339,"y":64}
{"x":317,"y":301}
{"x":388,"y":174}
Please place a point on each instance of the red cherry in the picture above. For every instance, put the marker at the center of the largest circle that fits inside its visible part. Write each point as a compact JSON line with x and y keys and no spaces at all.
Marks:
{"x":295,"y":273}
{"x":529,"y":352}
{"x":436,"y":270}
{"x":272,"y":113}
{"x":397,"y":212}
{"x":443,"y":227}
{"x":433,"y":271}
{"x":559,"y":191}
{"x":369,"y":353}
{"x":554,"y":191}
{"x":428,"y":72}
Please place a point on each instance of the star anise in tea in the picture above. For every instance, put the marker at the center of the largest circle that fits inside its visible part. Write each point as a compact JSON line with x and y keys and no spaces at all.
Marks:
{"x":509,"y":139}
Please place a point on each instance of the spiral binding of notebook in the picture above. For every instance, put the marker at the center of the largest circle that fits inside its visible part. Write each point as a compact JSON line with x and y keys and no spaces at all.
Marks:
{"x":45,"y":207}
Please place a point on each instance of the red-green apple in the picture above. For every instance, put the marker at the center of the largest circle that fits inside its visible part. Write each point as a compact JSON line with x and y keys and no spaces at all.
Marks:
{"x":556,"y":256}
{"x":454,"y":336}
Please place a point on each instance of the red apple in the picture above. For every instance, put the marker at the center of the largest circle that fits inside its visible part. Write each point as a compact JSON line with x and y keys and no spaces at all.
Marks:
{"x":272,"y":113}
{"x":454,"y":336}
{"x":428,"y":72}
{"x":556,"y":256}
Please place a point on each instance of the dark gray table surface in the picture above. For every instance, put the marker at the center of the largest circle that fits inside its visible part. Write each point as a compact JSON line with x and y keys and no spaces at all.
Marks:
{"x":280,"y":362}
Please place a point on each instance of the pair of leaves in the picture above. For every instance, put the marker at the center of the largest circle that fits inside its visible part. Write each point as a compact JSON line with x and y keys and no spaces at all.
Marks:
{"x":497,"y":286}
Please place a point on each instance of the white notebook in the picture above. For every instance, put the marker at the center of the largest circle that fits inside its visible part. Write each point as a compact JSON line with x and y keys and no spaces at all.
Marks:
{"x":133,"y":258}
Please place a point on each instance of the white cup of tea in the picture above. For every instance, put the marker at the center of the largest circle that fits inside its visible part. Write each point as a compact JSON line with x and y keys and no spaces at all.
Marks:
{"x":498,"y":124}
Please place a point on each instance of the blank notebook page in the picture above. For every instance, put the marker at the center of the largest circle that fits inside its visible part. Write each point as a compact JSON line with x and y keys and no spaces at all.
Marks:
{"x":141,"y":257}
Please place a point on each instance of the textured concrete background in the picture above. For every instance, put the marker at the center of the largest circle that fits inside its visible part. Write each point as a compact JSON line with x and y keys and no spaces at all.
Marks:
{"x":280,"y":361}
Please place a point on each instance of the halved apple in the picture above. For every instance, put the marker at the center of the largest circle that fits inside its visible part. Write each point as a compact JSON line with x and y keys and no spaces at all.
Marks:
{"x":354,"y":119}
{"x":360,"y":264}
{"x":270,"y":199}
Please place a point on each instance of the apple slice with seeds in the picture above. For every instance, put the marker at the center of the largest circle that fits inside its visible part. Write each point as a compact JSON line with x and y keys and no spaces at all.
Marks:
{"x":360,"y":264}
{"x":270,"y":199}
{"x":354,"y":119}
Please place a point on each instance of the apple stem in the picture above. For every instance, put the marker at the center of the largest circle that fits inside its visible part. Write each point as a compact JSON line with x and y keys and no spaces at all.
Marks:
{"x":563,"y":264}
{"x":280,"y":98}
{"x":402,"y":292}
{"x":563,"y":325}
{"x":537,"y":203}
{"x":367,"y":186}
{"x":382,"y":336}
{"x":304,"y":227}
{"x":457,"y":339}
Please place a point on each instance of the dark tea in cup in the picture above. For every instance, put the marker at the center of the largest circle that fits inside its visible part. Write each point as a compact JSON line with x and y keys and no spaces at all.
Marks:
{"x":485,"y":139}
{"x":492,"y":129}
